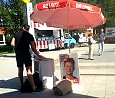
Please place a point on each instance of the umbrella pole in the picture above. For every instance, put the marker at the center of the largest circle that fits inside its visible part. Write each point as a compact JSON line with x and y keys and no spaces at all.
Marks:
{"x":69,"y":42}
{"x":68,"y":25}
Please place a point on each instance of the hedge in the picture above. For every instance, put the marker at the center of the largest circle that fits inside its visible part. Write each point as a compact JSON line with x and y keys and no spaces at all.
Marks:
{"x":6,"y":48}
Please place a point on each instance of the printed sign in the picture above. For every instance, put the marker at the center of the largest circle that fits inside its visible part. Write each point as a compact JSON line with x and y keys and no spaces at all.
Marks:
{"x":69,"y":67}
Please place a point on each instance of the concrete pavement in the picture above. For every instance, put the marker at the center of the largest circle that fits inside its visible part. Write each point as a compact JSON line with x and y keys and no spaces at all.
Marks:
{"x":97,"y":76}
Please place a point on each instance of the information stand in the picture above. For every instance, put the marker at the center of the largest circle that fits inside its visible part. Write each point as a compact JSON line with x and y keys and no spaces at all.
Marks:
{"x":45,"y":68}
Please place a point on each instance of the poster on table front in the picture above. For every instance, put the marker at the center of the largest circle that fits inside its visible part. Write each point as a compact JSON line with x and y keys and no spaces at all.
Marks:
{"x":69,"y":67}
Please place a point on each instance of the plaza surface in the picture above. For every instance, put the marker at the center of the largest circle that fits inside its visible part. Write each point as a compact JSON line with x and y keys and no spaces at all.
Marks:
{"x":97,"y":76}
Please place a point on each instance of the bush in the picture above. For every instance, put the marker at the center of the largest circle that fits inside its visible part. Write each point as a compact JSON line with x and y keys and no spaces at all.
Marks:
{"x":8,"y":40}
{"x":7,"y":49}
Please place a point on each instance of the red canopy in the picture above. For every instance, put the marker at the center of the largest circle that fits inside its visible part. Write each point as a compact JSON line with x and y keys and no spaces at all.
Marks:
{"x":64,"y":3}
{"x":68,"y":14}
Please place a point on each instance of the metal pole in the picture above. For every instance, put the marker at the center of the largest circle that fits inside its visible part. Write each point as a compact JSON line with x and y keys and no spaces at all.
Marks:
{"x":68,"y":24}
{"x":69,"y":43}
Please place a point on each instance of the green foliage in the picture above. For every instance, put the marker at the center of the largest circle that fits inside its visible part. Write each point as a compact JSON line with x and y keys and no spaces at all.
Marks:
{"x":6,"y":49}
{"x":8,"y":40}
{"x":12,"y":15}
{"x":108,"y":9}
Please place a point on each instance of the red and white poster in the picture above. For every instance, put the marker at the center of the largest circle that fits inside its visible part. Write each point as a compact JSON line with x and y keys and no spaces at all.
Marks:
{"x":69,"y":67}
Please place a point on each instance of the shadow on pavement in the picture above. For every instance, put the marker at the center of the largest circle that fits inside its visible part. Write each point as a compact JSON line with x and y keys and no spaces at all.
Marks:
{"x":83,"y":58}
{"x":43,"y":94}
{"x":11,"y":83}
{"x":9,"y":89}
{"x":93,"y":54}
{"x":9,"y":56}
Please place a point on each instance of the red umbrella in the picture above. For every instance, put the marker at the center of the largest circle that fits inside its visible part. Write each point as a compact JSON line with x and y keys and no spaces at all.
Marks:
{"x":68,"y":14}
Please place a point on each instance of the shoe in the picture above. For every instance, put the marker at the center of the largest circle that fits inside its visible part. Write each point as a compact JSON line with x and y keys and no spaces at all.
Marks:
{"x":25,"y":90}
{"x":35,"y":90}
{"x":100,"y":54}
{"x":38,"y":90}
{"x":21,"y":88}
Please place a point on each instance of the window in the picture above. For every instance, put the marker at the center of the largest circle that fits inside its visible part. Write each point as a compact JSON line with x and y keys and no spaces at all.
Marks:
{"x":1,"y":37}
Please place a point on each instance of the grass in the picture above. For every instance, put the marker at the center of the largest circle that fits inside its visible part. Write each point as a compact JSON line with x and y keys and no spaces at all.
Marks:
{"x":5,"y":52}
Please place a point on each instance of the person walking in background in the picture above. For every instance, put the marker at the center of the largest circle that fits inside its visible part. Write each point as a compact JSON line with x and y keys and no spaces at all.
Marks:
{"x":91,"y":42}
{"x":76,"y":37}
{"x":80,"y":38}
{"x":101,"y":38}
{"x":22,"y":41}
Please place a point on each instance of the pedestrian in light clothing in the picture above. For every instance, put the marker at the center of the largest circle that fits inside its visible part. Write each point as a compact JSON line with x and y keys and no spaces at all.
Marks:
{"x":80,"y":41}
{"x":91,"y":42}
{"x":101,"y":38}
{"x":22,"y":41}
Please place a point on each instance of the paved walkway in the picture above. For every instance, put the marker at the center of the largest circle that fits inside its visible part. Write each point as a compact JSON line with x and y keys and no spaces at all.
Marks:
{"x":97,"y":76}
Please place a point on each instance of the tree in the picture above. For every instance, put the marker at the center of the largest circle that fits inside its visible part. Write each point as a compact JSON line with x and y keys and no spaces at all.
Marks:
{"x":11,"y":14}
{"x":108,"y":9}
